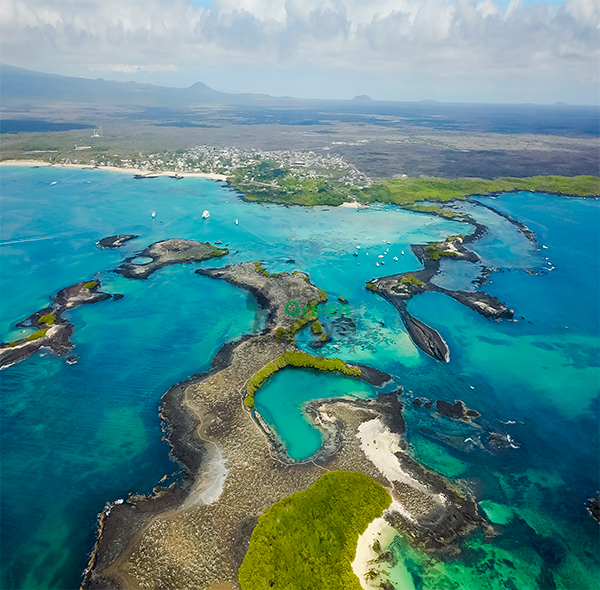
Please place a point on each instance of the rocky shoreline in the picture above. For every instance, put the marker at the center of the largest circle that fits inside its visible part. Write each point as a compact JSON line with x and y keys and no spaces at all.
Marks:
{"x":53,"y":331}
{"x":168,"y":253}
{"x":399,"y":288}
{"x":234,"y":469}
{"x":115,"y":241}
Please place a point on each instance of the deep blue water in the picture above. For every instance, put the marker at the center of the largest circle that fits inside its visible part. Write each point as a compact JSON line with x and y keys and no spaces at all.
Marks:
{"x":75,"y":437}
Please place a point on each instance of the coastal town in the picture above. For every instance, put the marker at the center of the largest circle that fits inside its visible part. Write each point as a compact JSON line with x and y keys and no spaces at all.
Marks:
{"x":227,"y":161}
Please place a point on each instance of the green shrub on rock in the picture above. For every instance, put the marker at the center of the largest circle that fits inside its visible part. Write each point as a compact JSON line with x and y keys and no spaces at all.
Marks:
{"x":308,"y":540}
{"x":47,"y":319}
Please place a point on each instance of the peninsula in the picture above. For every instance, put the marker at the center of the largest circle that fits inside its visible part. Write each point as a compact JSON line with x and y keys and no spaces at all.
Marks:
{"x":399,"y":288}
{"x":236,"y":467}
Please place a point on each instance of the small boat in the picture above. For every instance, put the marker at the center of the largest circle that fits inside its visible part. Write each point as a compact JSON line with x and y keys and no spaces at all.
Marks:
{"x":53,"y":183}
{"x":205,"y":214}
{"x":358,"y":247}
{"x":355,"y":254}
{"x":402,"y":252}
{"x":236,"y":221}
{"x":382,"y":262}
{"x":153,"y":214}
{"x":381,"y":256}
{"x":336,"y":347}
{"x":367,"y":253}
{"x":377,"y":264}
{"x":395,"y":259}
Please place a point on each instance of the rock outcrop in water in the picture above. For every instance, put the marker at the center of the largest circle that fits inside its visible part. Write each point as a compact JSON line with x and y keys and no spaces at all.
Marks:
{"x":53,"y":331}
{"x":168,"y":253}
{"x":593,"y":508}
{"x":115,"y":241}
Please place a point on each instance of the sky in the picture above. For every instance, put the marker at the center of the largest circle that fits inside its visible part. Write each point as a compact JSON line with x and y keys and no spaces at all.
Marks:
{"x":510,"y":51}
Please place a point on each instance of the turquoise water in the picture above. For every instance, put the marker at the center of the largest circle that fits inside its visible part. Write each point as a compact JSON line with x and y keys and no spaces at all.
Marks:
{"x":282,"y":399}
{"x":76,"y":436}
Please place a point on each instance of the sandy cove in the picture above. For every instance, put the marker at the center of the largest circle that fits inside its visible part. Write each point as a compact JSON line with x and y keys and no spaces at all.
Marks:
{"x":379,"y":530}
{"x":32,"y":163}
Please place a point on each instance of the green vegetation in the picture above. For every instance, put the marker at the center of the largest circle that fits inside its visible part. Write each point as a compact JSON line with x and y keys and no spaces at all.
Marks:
{"x":406,"y":191}
{"x":371,"y":287}
{"x":434,"y":252}
{"x":308,"y":540}
{"x":47,"y":319}
{"x":282,"y":334}
{"x":39,"y":334}
{"x":214,"y":252}
{"x":412,"y":280}
{"x":297,"y":359}
{"x":435,"y":210}
{"x":90,"y":285}
{"x":261,"y":270}
{"x":342,"y":299}
{"x":266,"y":182}
{"x":316,"y":327}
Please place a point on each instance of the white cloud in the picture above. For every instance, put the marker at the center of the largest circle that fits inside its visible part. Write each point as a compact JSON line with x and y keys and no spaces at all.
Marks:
{"x":429,"y":39}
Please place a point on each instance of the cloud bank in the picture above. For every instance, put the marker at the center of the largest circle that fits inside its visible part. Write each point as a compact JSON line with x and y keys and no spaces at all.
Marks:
{"x":403,"y":43}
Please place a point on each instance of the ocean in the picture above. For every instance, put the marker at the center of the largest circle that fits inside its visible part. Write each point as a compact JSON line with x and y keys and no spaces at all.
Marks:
{"x":74,"y":437}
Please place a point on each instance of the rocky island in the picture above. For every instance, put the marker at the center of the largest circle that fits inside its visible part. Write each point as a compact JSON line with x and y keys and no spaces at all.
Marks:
{"x":195,"y":535}
{"x":167,"y":253}
{"x":52,"y":330}
{"x":115,"y":241}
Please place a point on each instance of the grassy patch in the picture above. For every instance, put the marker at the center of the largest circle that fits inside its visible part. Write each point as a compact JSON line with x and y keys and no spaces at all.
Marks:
{"x":371,"y":287}
{"x":47,"y":319}
{"x":258,"y":267}
{"x":411,"y":280}
{"x":316,"y":327}
{"x":264,"y":182}
{"x":39,"y":334}
{"x":308,"y":540}
{"x":90,"y":285}
{"x":432,"y":251}
{"x":406,"y":191}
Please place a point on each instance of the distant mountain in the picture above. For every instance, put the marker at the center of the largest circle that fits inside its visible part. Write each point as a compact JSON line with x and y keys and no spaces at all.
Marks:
{"x":362,"y":98}
{"x":29,"y":88}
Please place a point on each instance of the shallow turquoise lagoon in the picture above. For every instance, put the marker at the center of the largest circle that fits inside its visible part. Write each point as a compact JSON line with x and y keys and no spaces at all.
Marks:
{"x":77,"y":436}
{"x":281,"y":403}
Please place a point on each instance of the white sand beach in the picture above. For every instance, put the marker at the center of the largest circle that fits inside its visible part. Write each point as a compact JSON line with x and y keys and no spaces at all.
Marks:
{"x":31,"y":163}
{"x":378,"y":530}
